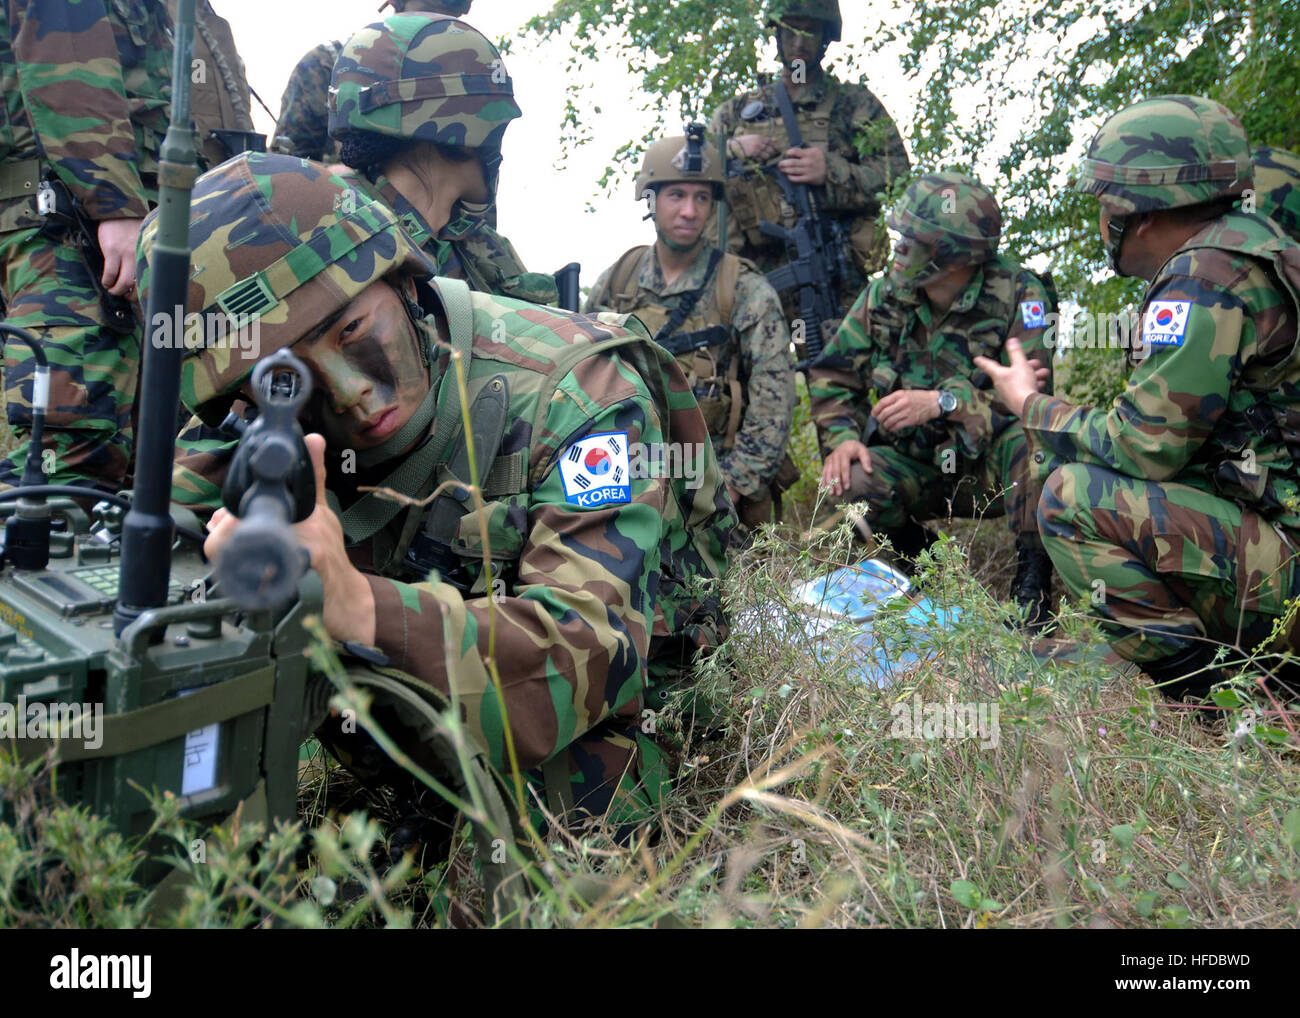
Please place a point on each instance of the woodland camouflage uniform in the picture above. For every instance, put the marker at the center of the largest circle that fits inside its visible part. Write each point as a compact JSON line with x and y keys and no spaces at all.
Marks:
{"x":583,"y":594}
{"x":975,"y":456}
{"x":833,"y":116}
{"x":303,"y":127}
{"x":86,"y":90}
{"x":1182,"y":502}
{"x":1277,"y":188}
{"x":743,"y":375}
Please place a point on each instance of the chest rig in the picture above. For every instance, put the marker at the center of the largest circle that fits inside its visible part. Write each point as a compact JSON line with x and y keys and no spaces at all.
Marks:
{"x":753,"y":194}
{"x":695,"y":327}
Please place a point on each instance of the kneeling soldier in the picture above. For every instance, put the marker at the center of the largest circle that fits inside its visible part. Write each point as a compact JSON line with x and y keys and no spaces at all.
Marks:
{"x":908,"y":424}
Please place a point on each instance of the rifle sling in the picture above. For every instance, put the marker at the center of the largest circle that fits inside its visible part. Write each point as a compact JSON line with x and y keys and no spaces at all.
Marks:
{"x":687,"y":304}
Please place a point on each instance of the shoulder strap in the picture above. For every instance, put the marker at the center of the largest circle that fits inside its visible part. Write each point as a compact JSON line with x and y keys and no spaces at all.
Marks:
{"x":688,"y":301}
{"x":624,"y":273}
{"x":728,"y":278}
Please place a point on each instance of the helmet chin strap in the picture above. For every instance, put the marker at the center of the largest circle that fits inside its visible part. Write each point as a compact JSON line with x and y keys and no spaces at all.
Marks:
{"x":673,"y":245}
{"x":1115,"y":229}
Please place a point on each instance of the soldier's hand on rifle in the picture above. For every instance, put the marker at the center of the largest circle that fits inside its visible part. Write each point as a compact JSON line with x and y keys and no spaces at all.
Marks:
{"x":117,"y":239}
{"x":1016,"y":383}
{"x":839,"y":465}
{"x":907,"y":408}
{"x":804,"y":165}
{"x":349,"y":601}
{"x":758,"y":147}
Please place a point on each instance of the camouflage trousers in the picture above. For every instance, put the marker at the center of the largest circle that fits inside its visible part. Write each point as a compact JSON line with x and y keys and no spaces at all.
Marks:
{"x":93,"y":370}
{"x":1162,"y":565}
{"x":616,"y":774}
{"x":901,"y":489}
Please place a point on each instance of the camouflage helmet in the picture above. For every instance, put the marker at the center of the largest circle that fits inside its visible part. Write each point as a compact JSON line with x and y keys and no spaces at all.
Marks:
{"x":1165,"y":153}
{"x":455,"y":8}
{"x":822,"y":10}
{"x":946,"y":220}
{"x":668,"y":161}
{"x":1277,"y":188}
{"x":423,"y":77}
{"x":279,"y":244}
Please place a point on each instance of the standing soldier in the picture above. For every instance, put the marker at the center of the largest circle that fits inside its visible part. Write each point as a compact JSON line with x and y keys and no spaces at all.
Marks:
{"x":303,"y":127}
{"x":719,"y":317}
{"x":907,"y":423}
{"x":833,"y":119}
{"x":86,"y":90}
{"x":1175,"y":512}
{"x":220,"y":99}
{"x":1277,"y":188}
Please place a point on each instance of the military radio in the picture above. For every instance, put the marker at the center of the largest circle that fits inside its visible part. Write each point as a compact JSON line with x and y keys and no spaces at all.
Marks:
{"x":122,"y":657}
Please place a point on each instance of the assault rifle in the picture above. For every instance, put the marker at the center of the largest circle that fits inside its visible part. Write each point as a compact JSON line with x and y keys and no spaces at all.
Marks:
{"x":815,"y":244}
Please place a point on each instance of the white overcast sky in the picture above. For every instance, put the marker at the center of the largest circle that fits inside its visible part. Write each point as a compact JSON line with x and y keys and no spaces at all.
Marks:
{"x":552,"y":215}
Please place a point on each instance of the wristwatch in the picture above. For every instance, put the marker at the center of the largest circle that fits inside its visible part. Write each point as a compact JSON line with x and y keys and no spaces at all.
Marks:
{"x":947,"y":402}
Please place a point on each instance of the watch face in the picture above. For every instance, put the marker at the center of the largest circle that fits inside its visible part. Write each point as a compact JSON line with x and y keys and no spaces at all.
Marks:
{"x":947,"y":402}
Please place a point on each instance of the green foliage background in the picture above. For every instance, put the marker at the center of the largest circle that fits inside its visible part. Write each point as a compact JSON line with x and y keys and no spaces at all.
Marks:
{"x":1013,"y":90}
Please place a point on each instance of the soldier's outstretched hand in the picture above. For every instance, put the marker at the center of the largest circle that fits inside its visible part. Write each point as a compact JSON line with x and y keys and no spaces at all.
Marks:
{"x":839,"y":464}
{"x":1015,"y":383}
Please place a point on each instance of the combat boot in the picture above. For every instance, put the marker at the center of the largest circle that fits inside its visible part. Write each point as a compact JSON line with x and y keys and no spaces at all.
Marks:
{"x":1188,"y":672}
{"x":1031,"y":588}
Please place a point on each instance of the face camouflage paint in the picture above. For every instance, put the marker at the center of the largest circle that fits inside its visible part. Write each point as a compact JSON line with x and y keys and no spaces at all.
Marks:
{"x":369,"y":373}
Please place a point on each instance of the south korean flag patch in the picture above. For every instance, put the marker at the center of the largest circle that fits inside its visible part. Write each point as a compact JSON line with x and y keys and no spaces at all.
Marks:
{"x":1033,"y":313}
{"x":1165,"y":322}
{"x":595,"y":471}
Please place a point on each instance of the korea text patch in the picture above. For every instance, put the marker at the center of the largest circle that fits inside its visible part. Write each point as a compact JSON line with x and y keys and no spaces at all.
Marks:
{"x":595,"y":471}
{"x":1165,"y":322}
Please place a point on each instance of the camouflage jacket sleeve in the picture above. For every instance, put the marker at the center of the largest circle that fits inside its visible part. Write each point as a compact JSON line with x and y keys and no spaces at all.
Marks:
{"x":853,"y":183}
{"x":841,"y":379}
{"x":202,"y":457}
{"x":70,"y":74}
{"x":572,"y":633}
{"x":1174,"y":397}
{"x":980,"y":416}
{"x":767,"y":373}
{"x":303,"y":127}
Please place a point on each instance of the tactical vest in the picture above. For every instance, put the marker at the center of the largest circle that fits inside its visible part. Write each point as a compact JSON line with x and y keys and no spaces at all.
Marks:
{"x":510,"y":384}
{"x":1253,"y":453}
{"x":979,"y":331}
{"x":709,"y":355}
